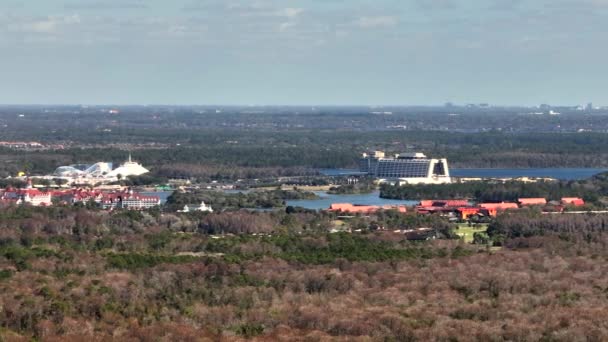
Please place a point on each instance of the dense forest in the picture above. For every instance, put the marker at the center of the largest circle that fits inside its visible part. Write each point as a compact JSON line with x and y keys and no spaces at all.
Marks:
{"x":72,"y":274}
{"x":220,"y":200}
{"x":525,"y":224}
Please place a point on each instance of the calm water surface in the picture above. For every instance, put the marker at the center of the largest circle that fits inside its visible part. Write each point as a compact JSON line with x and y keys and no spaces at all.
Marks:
{"x":557,"y":173}
{"x":326,"y":200}
{"x":374,"y":198}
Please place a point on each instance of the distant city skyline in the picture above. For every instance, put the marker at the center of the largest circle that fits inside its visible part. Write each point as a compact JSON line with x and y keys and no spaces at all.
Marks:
{"x":296,"y":52}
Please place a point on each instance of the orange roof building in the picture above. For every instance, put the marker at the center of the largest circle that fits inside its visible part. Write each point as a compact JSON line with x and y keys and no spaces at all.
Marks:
{"x":444,"y":203}
{"x":499,"y":206}
{"x":494,"y":208}
{"x":467,"y":212}
{"x":575,"y":201}
{"x":364,"y":209}
{"x":532,"y":201}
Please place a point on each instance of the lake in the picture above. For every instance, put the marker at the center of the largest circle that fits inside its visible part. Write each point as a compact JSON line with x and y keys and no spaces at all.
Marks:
{"x":557,"y":173}
{"x":374,"y":198}
{"x":326,"y":200}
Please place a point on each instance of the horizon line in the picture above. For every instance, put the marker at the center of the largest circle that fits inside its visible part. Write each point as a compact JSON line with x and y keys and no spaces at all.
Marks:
{"x":452,"y":105}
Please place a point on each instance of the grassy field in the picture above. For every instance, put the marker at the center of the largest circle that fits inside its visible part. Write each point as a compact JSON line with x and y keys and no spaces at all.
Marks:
{"x":467,"y":232}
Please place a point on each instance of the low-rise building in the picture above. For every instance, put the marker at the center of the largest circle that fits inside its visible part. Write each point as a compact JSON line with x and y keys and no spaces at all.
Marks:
{"x":495,"y":208}
{"x":445,"y":203}
{"x":575,"y":201}
{"x":364,"y":209}
{"x":129,"y":200}
{"x":196,"y":207}
{"x":532,"y":201}
{"x":29,"y":195}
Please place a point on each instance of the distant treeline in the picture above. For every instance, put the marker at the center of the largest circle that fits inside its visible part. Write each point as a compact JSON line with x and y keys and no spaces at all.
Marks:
{"x":234,"y":154}
{"x":590,"y":190}
{"x":219,"y":200}
{"x":164,"y":124}
{"x":363,"y":186}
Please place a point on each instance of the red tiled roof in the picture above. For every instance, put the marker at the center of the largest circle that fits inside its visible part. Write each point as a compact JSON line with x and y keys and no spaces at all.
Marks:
{"x":348,"y":207}
{"x":532,"y":201}
{"x":499,"y":206}
{"x":444,"y":203}
{"x":576,"y":201}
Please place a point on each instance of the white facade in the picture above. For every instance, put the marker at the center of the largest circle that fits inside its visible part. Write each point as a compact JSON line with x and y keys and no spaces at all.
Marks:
{"x":97,"y":173}
{"x":140,"y":202}
{"x":99,"y":169}
{"x":129,"y":201}
{"x":406,"y":168}
{"x":431,"y":178}
{"x":29,"y":196}
{"x":196,"y":207}
{"x":129,"y":168}
{"x":37,"y":199}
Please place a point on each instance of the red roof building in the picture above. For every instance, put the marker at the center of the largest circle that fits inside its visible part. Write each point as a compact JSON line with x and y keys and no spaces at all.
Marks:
{"x":532,"y":201}
{"x":494,"y":208}
{"x":499,"y":206}
{"x":364,"y":209}
{"x":575,"y":201}
{"x":108,"y":200}
{"x":444,"y":203}
{"x":467,"y":212}
{"x":129,"y":200}
{"x":28,"y":195}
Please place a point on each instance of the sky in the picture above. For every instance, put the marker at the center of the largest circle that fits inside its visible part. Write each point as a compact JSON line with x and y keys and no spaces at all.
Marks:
{"x":296,"y":52}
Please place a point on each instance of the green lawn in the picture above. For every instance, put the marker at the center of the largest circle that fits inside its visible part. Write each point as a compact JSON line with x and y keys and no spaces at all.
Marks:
{"x":467,"y":232}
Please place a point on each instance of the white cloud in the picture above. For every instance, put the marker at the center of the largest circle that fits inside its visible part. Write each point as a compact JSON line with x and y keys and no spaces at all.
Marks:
{"x":285,"y":26}
{"x":106,"y":5}
{"x":599,"y":3}
{"x":178,"y":30}
{"x":290,"y":12}
{"x":291,"y":15}
{"x":45,"y":25}
{"x":377,"y":21}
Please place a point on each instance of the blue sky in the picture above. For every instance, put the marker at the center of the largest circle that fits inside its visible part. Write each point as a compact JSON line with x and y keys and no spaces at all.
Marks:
{"x":324,"y":52}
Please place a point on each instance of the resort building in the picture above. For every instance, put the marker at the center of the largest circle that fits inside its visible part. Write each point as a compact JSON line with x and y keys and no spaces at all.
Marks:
{"x":364,"y":209}
{"x":29,"y":195}
{"x":575,"y":201}
{"x":531,"y":201}
{"x":496,"y":208}
{"x":405,"y":168}
{"x":445,"y":203}
{"x":129,"y":200}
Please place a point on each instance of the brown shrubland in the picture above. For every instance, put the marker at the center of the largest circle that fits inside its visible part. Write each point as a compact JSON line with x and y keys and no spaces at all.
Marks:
{"x":552,"y":287}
